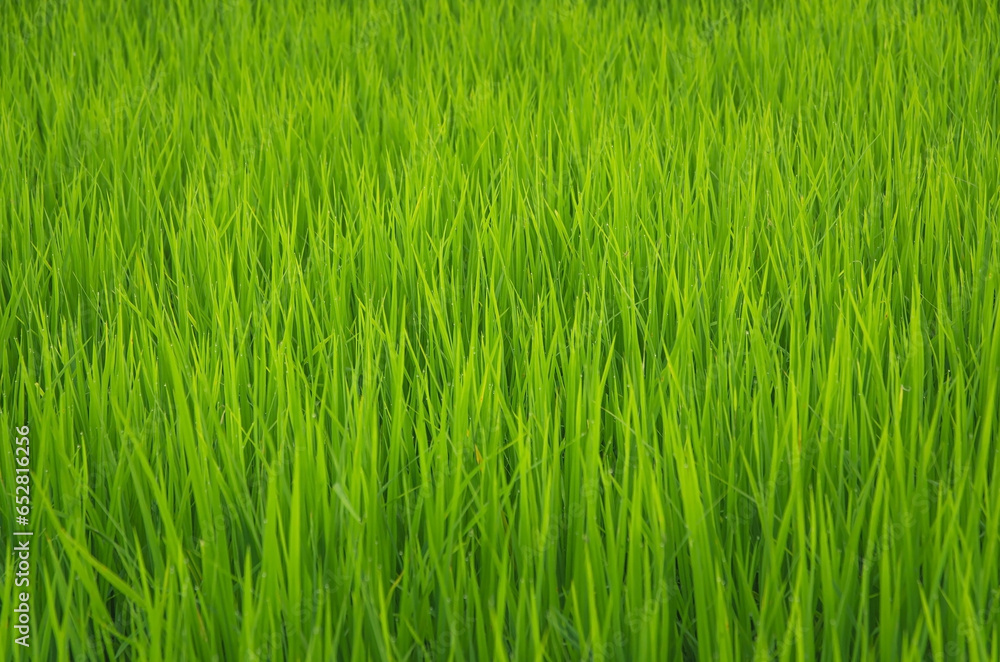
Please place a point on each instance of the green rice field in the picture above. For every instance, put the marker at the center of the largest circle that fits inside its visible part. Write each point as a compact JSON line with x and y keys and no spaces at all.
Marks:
{"x":497,"y":330}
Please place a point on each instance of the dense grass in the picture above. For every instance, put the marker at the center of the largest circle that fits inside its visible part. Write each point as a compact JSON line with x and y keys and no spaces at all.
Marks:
{"x":474,"y":331}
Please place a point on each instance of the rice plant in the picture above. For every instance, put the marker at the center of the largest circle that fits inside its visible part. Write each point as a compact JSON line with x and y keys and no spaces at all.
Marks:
{"x":547,"y":330}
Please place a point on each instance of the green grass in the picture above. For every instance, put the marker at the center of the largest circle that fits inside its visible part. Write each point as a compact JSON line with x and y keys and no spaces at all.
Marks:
{"x":451,"y":330}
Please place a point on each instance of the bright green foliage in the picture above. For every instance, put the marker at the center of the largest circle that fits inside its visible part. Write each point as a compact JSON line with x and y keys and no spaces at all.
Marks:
{"x":494,"y":330}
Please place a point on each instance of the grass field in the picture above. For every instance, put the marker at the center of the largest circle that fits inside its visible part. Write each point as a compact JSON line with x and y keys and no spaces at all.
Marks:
{"x":538,"y":331}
